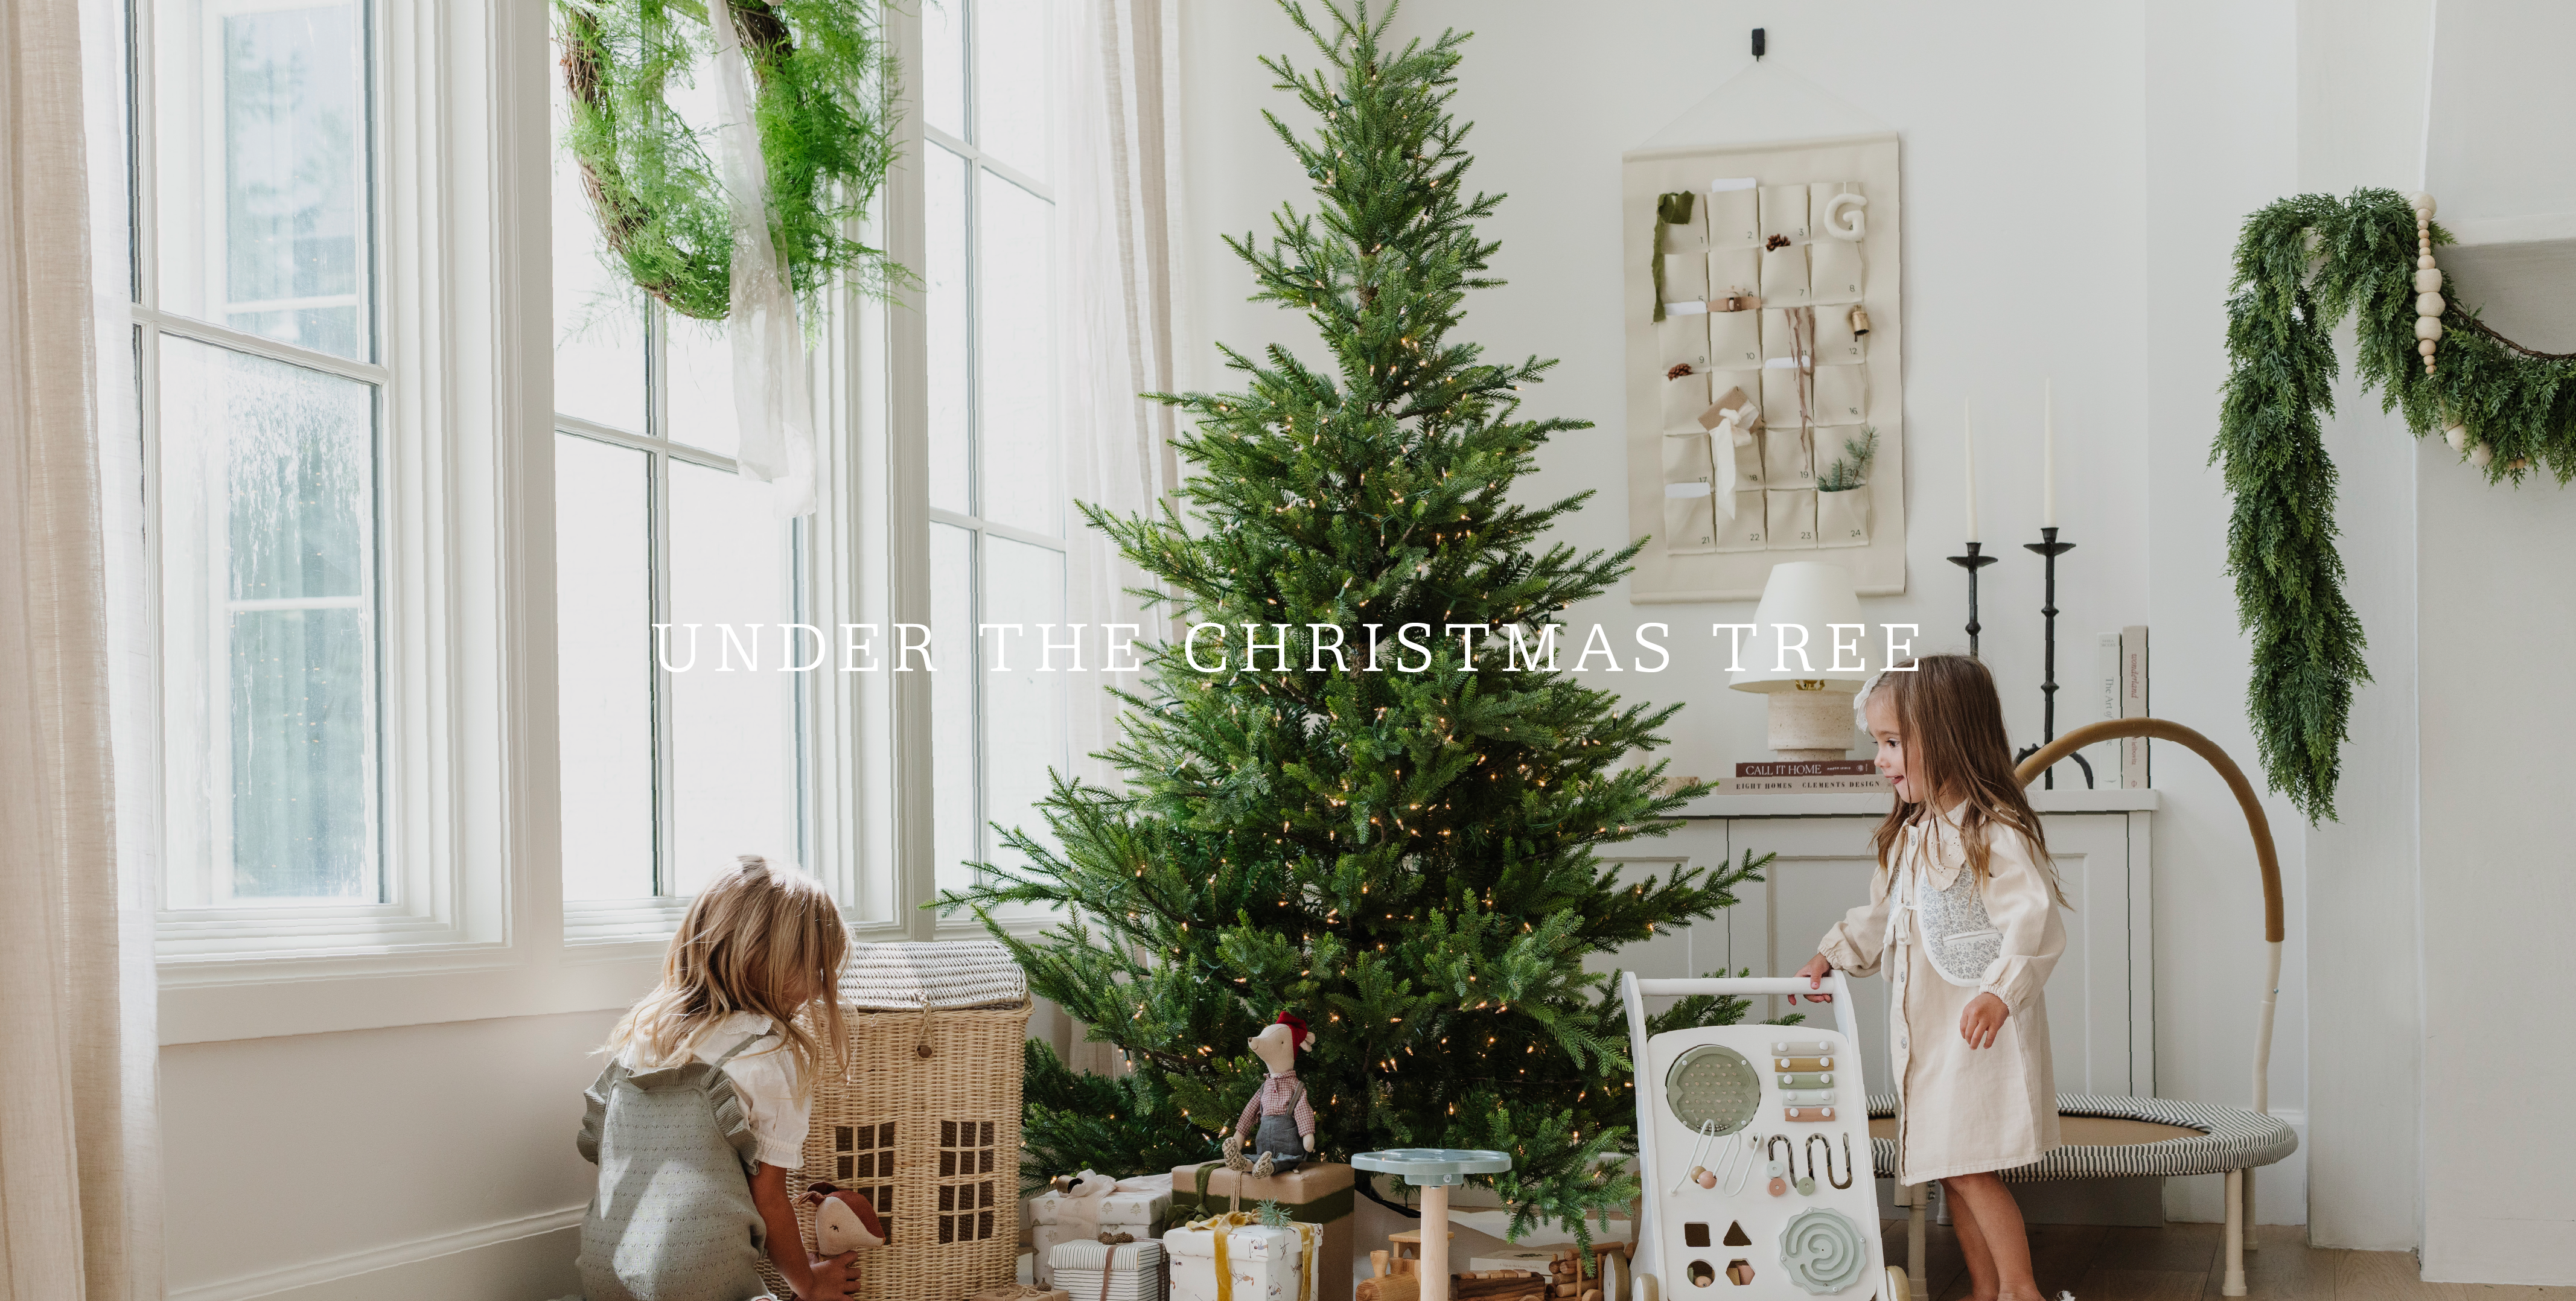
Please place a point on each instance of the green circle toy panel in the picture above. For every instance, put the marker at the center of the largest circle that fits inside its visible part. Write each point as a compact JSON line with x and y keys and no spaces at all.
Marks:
{"x":1713,"y":1083}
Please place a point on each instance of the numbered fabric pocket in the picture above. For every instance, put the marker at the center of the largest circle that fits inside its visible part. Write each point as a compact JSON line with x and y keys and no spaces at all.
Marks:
{"x":1747,"y":456}
{"x":1782,"y":397}
{"x":1689,"y":236}
{"x":1681,"y":339}
{"x":1790,"y":517}
{"x":1734,"y":270}
{"x":1842,"y":518}
{"x":1784,"y":276}
{"x":1690,"y":524}
{"x":1784,"y":213}
{"x":1684,"y":399}
{"x":1745,"y":532}
{"x":1788,"y":458}
{"x":1842,"y":395}
{"x":1779,"y":336}
{"x":1686,"y":458}
{"x":1829,"y":220}
{"x":1836,"y":345}
{"x":1734,"y":217}
{"x":1685,"y":277}
{"x":1833,"y":272}
{"x":1735,"y":340}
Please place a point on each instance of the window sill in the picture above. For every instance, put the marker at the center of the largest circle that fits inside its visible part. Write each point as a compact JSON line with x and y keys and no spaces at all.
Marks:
{"x":216,"y":1001}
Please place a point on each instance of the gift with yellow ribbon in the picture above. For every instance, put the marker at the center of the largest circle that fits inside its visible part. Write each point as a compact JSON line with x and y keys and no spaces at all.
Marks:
{"x":1233,"y":1256}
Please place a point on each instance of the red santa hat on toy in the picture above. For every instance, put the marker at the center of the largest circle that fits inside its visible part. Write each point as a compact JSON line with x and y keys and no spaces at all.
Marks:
{"x":1298,"y":1035}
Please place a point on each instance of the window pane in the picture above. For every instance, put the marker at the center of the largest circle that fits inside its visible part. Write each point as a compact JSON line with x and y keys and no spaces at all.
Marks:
{"x":599,"y":315}
{"x":268,"y":488}
{"x":947,"y":320}
{"x":732,"y":721}
{"x":700,"y":361}
{"x":1011,"y":81}
{"x":952,"y":703}
{"x":1024,"y":708}
{"x":943,"y":65}
{"x":603,"y":668}
{"x":262,"y":153}
{"x":1016,"y":422}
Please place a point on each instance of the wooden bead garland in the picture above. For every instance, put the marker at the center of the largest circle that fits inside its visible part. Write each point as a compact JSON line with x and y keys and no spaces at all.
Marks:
{"x":2428,"y":283}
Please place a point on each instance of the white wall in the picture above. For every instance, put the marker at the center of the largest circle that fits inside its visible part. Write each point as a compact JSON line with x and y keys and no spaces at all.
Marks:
{"x":2074,"y":177}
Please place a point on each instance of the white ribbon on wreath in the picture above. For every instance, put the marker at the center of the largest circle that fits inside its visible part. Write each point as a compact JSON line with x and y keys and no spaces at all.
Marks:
{"x":772,"y":401}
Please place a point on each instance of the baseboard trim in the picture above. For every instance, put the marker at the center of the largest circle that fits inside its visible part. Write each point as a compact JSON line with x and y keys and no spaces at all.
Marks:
{"x":334,"y":1268}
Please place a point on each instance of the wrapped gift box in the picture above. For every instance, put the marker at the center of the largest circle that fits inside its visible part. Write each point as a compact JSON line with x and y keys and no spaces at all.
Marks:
{"x":1100,"y":1271}
{"x":1317,"y":1193}
{"x":1140,"y":1207}
{"x":1262,"y":1263}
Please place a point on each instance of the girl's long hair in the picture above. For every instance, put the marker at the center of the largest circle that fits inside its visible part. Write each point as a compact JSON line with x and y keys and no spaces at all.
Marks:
{"x":750,"y":943}
{"x":1956,"y":752}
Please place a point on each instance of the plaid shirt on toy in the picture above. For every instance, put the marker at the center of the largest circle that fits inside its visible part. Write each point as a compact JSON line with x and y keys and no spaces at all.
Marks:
{"x":1279,"y":1095}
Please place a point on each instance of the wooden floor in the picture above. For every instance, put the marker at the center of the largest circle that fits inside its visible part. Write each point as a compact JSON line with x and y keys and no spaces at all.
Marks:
{"x":2181,"y":1262}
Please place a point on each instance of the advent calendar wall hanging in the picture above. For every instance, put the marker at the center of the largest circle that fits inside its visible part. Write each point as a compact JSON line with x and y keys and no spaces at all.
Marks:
{"x":1764,"y":364}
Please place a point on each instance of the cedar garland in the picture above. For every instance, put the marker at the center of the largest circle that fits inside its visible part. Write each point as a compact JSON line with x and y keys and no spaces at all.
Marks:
{"x":823,"y":88}
{"x":2302,"y":265}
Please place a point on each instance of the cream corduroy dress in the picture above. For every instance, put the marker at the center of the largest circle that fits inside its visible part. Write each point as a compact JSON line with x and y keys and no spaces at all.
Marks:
{"x":1962,"y":1110}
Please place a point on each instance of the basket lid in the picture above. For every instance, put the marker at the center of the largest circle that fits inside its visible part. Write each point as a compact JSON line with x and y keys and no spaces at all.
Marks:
{"x":941,"y":974}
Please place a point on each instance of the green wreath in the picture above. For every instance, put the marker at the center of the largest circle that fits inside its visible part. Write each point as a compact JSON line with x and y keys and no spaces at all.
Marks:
{"x":2302,"y":265}
{"x":823,"y":88}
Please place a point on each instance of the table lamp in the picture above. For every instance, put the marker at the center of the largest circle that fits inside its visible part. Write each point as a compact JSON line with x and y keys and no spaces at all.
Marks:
{"x":1811,"y":701}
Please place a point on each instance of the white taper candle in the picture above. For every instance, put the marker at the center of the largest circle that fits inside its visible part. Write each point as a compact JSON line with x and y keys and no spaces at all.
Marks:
{"x":2048,"y":454}
{"x":1968,"y":435}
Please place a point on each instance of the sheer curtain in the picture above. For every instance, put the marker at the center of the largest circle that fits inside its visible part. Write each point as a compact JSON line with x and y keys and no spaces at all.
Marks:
{"x":1120,"y":198}
{"x":79,"y":1175}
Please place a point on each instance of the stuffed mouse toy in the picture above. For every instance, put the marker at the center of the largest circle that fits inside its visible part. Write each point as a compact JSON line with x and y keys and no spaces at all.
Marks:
{"x":843,"y":1220}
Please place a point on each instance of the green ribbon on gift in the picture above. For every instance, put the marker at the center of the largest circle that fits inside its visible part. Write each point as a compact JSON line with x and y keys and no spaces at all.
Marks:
{"x":1322,"y":1210}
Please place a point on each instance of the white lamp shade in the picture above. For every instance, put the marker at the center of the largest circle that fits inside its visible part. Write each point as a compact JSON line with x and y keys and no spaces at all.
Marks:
{"x":1807,"y":594}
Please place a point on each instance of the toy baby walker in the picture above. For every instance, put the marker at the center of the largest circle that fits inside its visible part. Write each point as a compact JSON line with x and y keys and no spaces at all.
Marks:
{"x":1750,"y":1139}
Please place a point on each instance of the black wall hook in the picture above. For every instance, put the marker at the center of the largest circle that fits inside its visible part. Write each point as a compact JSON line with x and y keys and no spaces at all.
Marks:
{"x":1758,"y":42}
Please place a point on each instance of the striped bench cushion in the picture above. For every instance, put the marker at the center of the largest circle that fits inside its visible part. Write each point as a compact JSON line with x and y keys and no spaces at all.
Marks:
{"x":2223,"y":1139}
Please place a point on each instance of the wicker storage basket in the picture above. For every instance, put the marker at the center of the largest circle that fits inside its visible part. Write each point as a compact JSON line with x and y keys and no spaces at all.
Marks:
{"x":932,"y":1139}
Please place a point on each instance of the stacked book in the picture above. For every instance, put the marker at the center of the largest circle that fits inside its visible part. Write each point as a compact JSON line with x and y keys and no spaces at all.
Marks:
{"x":1808,"y":777}
{"x":1100,"y":1271}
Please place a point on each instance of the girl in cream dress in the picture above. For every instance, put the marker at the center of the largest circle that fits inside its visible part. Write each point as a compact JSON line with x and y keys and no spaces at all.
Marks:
{"x":1962,"y":912}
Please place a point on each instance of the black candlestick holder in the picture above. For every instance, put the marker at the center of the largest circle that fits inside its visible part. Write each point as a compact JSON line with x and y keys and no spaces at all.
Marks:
{"x":1972,"y":562}
{"x":2050,"y":549}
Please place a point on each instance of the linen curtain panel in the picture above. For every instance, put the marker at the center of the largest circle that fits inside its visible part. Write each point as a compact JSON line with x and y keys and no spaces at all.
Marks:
{"x":1121,"y":197}
{"x":79,"y":1176}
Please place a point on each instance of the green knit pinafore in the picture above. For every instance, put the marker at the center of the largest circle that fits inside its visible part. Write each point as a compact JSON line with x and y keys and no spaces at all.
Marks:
{"x":673,"y":1219}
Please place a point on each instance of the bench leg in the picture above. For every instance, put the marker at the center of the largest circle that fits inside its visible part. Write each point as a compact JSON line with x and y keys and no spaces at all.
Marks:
{"x":2253,"y":1234}
{"x":2234,"y":1283}
{"x":1915,"y":1273}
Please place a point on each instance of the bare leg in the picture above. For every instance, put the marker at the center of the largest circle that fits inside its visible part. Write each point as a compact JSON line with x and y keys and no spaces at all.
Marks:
{"x":1972,"y":1246}
{"x":1992,"y":1238}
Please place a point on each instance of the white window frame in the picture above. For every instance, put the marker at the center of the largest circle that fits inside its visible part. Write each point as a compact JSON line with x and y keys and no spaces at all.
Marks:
{"x":477,"y":926}
{"x":911,"y":808}
{"x":464,"y":586}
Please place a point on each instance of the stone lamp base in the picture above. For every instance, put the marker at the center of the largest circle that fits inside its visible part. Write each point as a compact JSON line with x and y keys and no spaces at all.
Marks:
{"x":1811,"y":720}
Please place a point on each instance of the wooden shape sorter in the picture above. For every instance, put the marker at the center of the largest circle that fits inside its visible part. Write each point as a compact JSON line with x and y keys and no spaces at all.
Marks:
{"x":1785,"y":283}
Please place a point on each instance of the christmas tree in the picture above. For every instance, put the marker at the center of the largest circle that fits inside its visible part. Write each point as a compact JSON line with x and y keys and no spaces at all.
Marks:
{"x":1388,"y":830}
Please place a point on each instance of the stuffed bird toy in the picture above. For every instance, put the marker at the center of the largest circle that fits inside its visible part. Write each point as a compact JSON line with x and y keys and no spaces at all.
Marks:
{"x":843,"y":1220}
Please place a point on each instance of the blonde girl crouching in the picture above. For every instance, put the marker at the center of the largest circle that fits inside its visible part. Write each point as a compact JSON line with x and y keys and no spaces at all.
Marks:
{"x":705,"y":1102}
